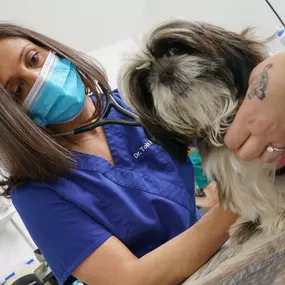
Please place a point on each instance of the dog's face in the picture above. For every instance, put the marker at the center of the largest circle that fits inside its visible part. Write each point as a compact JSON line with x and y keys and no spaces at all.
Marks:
{"x":187,"y":82}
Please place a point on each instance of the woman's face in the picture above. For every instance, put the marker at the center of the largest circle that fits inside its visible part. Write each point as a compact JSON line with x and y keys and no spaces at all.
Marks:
{"x":20,"y":64}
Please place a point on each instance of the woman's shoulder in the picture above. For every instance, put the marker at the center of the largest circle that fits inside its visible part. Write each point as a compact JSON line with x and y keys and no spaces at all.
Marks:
{"x":26,"y":195}
{"x":28,"y":188}
{"x":74,"y":188}
{"x":57,"y":226}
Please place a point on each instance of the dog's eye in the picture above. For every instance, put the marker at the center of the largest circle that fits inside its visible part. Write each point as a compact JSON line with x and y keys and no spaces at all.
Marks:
{"x":173,"y":51}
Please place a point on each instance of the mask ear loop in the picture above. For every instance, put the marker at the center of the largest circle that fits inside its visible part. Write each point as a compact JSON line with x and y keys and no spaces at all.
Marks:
{"x":42,"y":77}
{"x":102,"y":121}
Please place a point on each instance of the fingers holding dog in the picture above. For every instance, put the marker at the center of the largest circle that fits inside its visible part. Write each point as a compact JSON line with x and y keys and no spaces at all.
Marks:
{"x":260,"y":120}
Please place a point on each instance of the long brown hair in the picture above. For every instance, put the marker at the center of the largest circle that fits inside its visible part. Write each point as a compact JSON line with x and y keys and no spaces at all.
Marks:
{"x":28,"y":152}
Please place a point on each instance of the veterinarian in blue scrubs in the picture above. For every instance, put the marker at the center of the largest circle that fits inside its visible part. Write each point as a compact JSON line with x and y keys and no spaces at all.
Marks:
{"x":124,"y":211}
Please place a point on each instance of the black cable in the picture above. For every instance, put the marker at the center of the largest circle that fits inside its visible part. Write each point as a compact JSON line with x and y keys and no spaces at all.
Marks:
{"x":275,"y":12}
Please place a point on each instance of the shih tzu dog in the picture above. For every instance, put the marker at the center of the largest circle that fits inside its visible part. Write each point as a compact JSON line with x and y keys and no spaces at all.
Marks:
{"x":186,"y":84}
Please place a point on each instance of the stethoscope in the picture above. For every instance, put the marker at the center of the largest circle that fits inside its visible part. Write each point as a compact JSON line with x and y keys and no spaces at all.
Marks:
{"x":103,"y":120}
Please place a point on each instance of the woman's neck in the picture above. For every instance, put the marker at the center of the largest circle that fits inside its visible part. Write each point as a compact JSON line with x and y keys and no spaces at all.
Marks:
{"x":93,"y":142}
{"x":85,"y":115}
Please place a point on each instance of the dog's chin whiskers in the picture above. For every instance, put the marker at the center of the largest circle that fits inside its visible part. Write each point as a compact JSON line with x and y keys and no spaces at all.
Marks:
{"x":221,"y":124}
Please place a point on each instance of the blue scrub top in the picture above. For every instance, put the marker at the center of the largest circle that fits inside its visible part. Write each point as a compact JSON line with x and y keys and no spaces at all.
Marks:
{"x":144,"y":200}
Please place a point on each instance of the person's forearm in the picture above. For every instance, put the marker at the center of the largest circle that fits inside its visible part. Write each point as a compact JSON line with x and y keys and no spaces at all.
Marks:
{"x":177,"y":259}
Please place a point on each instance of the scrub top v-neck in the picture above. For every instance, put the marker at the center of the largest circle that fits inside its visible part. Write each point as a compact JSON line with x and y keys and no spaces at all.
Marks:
{"x":145,"y":200}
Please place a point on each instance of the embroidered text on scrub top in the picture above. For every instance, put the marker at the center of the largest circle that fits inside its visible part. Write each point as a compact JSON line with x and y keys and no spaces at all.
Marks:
{"x":142,"y":149}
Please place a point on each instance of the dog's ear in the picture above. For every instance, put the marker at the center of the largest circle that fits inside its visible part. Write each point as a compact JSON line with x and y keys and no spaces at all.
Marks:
{"x":169,"y":142}
{"x":241,"y":57}
{"x":177,"y":150}
{"x":136,"y":81}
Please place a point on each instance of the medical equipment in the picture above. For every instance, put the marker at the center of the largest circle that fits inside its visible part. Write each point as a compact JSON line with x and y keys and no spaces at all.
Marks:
{"x":103,"y":120}
{"x":281,"y":35}
{"x":58,"y":95}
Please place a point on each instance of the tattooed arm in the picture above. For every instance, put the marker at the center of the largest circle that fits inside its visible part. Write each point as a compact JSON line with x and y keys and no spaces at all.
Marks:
{"x":258,"y":84}
{"x":260,"y":120}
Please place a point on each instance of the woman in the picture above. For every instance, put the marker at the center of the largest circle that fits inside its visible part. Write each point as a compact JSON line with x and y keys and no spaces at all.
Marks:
{"x":106,"y":206}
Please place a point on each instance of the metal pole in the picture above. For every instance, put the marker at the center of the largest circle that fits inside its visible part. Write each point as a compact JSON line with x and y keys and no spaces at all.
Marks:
{"x":275,"y":12}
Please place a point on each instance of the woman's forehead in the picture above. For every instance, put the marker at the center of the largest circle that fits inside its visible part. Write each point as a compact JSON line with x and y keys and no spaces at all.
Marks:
{"x":10,"y":50}
{"x":9,"y":45}
{"x":10,"y":55}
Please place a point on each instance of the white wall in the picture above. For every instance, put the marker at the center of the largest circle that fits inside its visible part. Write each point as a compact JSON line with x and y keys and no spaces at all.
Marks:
{"x":91,"y":25}
{"x":82,"y":24}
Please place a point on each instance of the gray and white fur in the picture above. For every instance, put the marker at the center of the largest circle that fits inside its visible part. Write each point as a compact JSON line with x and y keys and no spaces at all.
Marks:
{"x":186,"y":84}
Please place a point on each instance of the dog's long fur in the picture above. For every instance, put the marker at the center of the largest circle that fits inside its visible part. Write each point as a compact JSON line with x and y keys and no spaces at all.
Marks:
{"x":186,"y":84}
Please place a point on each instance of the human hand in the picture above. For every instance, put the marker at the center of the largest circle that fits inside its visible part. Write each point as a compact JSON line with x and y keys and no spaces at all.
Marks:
{"x":260,"y":121}
{"x":211,"y":198}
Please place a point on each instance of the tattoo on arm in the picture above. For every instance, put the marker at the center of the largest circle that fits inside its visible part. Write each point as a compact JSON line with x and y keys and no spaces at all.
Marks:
{"x":259,"y":84}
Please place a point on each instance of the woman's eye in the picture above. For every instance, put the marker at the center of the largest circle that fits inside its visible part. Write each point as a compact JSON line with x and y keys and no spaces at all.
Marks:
{"x":34,"y":59}
{"x":19,"y":91}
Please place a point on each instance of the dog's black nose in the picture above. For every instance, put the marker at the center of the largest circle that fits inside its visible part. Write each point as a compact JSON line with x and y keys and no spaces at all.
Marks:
{"x":166,"y":75}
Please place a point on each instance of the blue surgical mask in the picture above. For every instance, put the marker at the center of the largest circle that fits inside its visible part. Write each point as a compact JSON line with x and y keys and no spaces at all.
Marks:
{"x":58,"y":95}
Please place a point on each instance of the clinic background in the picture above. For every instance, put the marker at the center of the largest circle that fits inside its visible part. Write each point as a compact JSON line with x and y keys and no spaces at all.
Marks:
{"x":105,"y":29}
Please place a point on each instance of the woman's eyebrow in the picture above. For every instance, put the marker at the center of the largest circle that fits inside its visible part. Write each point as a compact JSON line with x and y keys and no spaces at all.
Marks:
{"x":23,"y":50}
